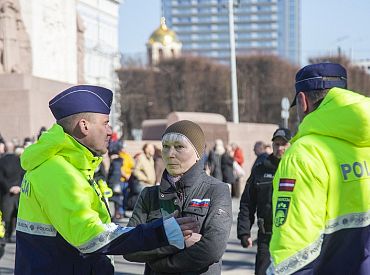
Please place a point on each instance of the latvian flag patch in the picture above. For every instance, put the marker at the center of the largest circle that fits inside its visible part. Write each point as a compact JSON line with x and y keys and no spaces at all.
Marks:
{"x":199,"y":202}
{"x":286,"y":185}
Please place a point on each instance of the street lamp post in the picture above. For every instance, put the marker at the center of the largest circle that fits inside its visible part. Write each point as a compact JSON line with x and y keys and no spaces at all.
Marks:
{"x":234,"y":86}
{"x":285,"y":105}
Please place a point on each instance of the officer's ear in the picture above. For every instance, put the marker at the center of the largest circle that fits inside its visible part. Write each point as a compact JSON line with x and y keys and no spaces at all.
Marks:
{"x":303,"y":102}
{"x":83,"y":126}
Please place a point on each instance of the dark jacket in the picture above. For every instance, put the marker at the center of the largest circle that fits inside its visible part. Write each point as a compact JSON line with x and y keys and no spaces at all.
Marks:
{"x":114,"y":173}
{"x":190,"y":198}
{"x":214,"y":164}
{"x":257,"y":196}
{"x":227,"y":167}
{"x":11,"y":172}
{"x":259,"y":160}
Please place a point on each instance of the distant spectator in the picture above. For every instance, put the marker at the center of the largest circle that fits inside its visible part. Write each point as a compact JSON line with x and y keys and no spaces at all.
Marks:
{"x":144,"y":168}
{"x":126,"y":173}
{"x":238,"y":154}
{"x":27,"y":142}
{"x":114,"y":179}
{"x":11,"y":175}
{"x":2,"y":148}
{"x":238,"y":169}
{"x":214,"y":159}
{"x":227,"y":166}
{"x":159,"y":165}
{"x":128,"y":163}
{"x":18,"y":150}
{"x":114,"y":136}
{"x":42,"y":129}
{"x":268,"y":149}
{"x":260,"y":152}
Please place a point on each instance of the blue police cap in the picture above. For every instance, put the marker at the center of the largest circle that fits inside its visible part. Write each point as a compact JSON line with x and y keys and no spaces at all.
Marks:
{"x":312,"y":77}
{"x":81,"y":99}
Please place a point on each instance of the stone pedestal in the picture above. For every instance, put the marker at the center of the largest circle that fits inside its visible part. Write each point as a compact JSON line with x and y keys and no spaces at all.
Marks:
{"x":24,"y":101}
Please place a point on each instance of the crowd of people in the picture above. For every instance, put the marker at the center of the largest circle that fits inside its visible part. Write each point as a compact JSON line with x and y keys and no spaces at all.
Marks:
{"x":68,"y":191}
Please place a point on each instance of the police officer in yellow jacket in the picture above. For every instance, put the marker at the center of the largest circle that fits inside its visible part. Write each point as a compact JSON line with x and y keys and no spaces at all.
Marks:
{"x":63,"y":224}
{"x":321,"y":197}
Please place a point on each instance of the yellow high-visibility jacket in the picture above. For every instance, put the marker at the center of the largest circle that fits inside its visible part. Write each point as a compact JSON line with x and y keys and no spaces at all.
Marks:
{"x":321,"y":197}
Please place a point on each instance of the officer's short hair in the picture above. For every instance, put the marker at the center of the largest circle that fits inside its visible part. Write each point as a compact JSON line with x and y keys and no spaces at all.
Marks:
{"x":70,"y":122}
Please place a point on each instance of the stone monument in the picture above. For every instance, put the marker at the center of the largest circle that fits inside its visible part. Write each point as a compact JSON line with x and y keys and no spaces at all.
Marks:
{"x":11,"y":34}
{"x":25,"y":89}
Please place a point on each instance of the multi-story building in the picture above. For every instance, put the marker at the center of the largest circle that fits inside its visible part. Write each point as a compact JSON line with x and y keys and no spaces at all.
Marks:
{"x":101,"y":52}
{"x":100,"y":22}
{"x":261,"y":26}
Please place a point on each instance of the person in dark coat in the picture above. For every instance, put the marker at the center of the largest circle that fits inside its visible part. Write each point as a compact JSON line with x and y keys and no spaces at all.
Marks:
{"x":260,"y":152}
{"x":227,"y":166}
{"x":114,"y":179}
{"x":11,"y":174}
{"x":257,"y":196}
{"x":186,"y":187}
{"x":214,"y":159}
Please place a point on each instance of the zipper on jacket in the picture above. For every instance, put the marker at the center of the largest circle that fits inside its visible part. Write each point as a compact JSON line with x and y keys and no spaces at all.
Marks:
{"x":180,"y":192}
{"x":93,"y":184}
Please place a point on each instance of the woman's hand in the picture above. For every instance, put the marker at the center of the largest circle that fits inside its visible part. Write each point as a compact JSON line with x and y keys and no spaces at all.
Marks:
{"x":192,"y":239}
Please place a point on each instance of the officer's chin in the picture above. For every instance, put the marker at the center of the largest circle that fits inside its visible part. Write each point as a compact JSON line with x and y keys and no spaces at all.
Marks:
{"x":99,"y":152}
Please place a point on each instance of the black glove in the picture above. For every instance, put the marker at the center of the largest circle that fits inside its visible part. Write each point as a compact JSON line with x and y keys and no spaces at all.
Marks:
{"x":244,"y":241}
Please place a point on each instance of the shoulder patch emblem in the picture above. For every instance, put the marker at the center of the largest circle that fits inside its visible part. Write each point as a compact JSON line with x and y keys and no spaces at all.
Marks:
{"x":26,"y":187}
{"x":286,"y":185}
{"x":281,"y":212}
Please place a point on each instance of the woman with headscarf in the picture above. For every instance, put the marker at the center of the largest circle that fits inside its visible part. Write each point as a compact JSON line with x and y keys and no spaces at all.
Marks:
{"x":186,"y":187}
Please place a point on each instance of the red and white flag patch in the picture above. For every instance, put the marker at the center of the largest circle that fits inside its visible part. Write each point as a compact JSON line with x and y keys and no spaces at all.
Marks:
{"x":286,"y":185}
{"x":200,"y":202}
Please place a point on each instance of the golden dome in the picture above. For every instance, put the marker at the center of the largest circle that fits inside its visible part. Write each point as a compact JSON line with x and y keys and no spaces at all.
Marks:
{"x":163,"y":35}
